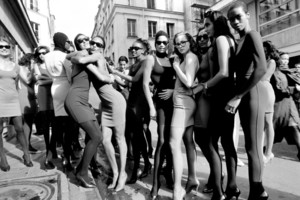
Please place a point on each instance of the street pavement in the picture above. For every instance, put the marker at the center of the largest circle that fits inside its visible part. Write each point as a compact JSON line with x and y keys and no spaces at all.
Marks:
{"x":281,"y":176}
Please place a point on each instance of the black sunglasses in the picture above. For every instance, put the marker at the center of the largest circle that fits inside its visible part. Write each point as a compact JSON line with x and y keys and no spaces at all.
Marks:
{"x":42,"y":53}
{"x":98,"y":44}
{"x":86,"y":39}
{"x":5,"y":46}
{"x":135,"y":48}
{"x":161,"y":42}
{"x":199,"y":37}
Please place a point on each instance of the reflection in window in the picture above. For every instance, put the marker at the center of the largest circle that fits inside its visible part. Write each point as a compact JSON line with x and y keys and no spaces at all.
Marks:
{"x":276,"y":15}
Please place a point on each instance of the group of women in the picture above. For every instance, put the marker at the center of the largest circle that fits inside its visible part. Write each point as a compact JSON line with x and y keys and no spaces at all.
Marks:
{"x":198,"y":90}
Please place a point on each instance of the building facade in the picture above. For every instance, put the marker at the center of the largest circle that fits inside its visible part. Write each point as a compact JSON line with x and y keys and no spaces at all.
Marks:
{"x":276,"y":20}
{"x":121,"y":22}
{"x":15,"y":25}
{"x":42,"y":22}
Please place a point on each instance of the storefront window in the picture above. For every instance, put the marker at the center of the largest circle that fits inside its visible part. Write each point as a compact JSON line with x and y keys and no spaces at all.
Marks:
{"x":277,"y":15}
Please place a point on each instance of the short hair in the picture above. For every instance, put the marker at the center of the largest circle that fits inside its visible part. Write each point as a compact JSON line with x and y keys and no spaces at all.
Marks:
{"x":238,"y":4}
{"x":25,"y":60}
{"x":36,"y":53}
{"x":161,"y":33}
{"x":123,"y":58}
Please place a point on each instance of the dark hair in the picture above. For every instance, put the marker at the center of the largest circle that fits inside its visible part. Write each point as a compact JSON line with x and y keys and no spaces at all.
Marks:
{"x":221,"y":26}
{"x":123,"y":58}
{"x":161,"y":33}
{"x":25,"y":60}
{"x":193,"y":44}
{"x":271,"y":51}
{"x":76,"y":43}
{"x":146,"y":45}
{"x":103,"y":41}
{"x":238,"y":4}
{"x":283,"y":53}
{"x":36,"y":53}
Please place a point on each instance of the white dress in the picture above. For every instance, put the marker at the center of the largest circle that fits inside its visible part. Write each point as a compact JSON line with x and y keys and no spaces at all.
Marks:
{"x":60,"y":70}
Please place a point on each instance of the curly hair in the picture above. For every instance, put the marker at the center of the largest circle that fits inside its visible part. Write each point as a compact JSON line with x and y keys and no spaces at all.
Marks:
{"x":36,"y":53}
{"x":190,"y":39}
{"x":26,"y":59}
{"x":146,"y":45}
{"x":271,"y":51}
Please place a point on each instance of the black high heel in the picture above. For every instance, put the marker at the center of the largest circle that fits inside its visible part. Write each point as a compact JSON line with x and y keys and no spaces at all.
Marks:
{"x":27,"y":163}
{"x":191,"y":185}
{"x":134,"y":177}
{"x":83,"y":182}
{"x":230,"y":193}
{"x":218,"y":198}
{"x":147,"y":171}
{"x":5,"y":168}
{"x":263,"y":196}
{"x":67,"y":166}
{"x":155,"y":197}
{"x":208,"y":188}
{"x":48,"y":164}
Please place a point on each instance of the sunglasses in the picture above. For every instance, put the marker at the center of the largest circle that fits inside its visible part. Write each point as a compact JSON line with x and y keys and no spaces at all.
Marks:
{"x":182,"y":43}
{"x":161,"y":42}
{"x":98,"y":44}
{"x":42,"y":53}
{"x":199,"y":37}
{"x":135,"y":48}
{"x":81,"y":40}
{"x":5,"y":46}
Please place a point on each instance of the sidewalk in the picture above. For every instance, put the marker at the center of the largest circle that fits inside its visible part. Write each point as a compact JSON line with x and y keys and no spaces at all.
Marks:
{"x":281,"y":176}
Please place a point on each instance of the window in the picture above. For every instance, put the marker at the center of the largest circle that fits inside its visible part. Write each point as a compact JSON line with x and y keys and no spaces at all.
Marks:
{"x":151,"y":4}
{"x":35,"y":28}
{"x":170,"y":29}
{"x":277,"y":15}
{"x":131,"y":27}
{"x":112,"y":33}
{"x":169,"y":4}
{"x":34,"y":5}
{"x":151,"y":28}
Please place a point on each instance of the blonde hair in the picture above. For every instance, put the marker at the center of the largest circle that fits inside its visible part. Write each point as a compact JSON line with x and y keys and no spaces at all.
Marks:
{"x":4,"y":39}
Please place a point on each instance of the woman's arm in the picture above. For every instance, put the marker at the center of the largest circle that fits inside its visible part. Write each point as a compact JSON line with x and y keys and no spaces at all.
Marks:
{"x":148,"y":67}
{"x":134,"y":78}
{"x":25,"y":74}
{"x":85,"y":58}
{"x":191,"y":67}
{"x":99,"y":73}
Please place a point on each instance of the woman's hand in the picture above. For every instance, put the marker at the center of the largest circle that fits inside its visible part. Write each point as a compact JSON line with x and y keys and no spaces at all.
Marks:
{"x":111,"y":69}
{"x":176,"y":62}
{"x":165,"y":94}
{"x":112,"y":78}
{"x":232,"y":105}
{"x":185,"y":91}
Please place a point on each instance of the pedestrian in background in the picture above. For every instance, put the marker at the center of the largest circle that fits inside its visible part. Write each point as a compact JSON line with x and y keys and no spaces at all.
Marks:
{"x":286,"y":117}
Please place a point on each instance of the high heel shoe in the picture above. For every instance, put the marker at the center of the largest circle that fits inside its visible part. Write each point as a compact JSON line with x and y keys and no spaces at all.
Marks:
{"x":169,"y":178}
{"x":181,"y":196}
{"x":67,"y":166}
{"x":5,"y":168}
{"x":49,"y":165}
{"x":192,"y":185}
{"x":147,"y":171}
{"x":134,"y":177}
{"x":208,"y":188}
{"x":230,"y":193}
{"x":154,"y":197}
{"x":121,"y":183}
{"x":268,"y":158}
{"x":262,"y":196}
{"x":83,"y":182}
{"x":26,"y":162}
{"x":218,"y":198}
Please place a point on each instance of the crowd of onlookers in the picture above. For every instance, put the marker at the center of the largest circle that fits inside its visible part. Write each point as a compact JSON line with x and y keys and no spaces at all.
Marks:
{"x":193,"y":93}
